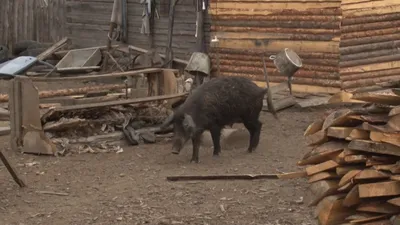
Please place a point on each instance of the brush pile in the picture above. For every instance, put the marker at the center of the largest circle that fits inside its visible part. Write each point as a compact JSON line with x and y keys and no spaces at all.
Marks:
{"x":354,"y":165}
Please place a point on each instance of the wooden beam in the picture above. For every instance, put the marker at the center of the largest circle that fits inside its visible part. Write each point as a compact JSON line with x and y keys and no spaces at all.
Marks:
{"x":374,"y":147}
{"x":321,"y":167}
{"x":118,"y":102}
{"x":389,"y":188}
{"x":97,"y":77}
{"x":53,"y":49}
{"x":11,"y":169}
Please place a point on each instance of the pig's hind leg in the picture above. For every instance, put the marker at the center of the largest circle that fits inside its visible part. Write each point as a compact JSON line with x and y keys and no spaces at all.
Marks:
{"x":254,"y":128}
{"x":216,"y":136}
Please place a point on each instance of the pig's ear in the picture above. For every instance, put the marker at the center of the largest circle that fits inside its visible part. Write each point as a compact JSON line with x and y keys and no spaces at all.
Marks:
{"x":188,"y":122}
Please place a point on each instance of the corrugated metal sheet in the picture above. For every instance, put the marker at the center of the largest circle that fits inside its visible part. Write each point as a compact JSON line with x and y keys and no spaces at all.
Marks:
{"x":88,"y":24}
{"x":246,"y":29}
{"x":370,"y":42}
{"x":33,"y":20}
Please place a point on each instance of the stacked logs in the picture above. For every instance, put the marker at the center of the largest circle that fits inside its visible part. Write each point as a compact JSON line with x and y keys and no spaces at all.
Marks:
{"x":354,"y":165}
{"x":369,"y":47}
{"x":247,"y":30}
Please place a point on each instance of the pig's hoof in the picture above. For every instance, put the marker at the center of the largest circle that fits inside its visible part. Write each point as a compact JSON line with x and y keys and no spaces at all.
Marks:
{"x":175,"y":152}
{"x":250,"y":150}
{"x":194,"y":161}
{"x":216,"y":154}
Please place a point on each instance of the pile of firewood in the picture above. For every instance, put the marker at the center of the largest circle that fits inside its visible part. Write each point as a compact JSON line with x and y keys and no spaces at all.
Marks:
{"x":354,"y":165}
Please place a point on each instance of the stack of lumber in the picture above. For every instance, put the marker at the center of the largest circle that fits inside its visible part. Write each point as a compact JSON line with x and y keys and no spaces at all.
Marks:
{"x":354,"y":165}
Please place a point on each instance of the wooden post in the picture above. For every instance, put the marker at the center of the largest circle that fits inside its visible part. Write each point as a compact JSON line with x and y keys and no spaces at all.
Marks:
{"x":152,"y":23}
{"x":200,"y":38}
{"x":169,"y":56}
{"x":200,"y":27}
{"x":11,"y":169}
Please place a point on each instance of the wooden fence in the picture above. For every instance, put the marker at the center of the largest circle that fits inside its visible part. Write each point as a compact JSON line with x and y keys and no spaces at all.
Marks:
{"x":247,"y":29}
{"x":88,"y":24}
{"x":31,"y":20}
{"x":370,"y":43}
{"x":344,"y":44}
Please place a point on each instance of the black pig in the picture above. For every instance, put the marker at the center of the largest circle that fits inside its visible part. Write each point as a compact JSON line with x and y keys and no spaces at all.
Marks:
{"x":215,"y":104}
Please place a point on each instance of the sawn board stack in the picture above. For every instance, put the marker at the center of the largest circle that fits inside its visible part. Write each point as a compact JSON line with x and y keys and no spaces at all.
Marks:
{"x":354,"y":165}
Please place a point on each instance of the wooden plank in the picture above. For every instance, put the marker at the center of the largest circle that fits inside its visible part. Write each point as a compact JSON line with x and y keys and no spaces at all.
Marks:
{"x":391,"y":138}
{"x":119,"y":102}
{"x":389,"y":188}
{"x":53,"y":49}
{"x":300,"y":6}
{"x":355,"y":159}
{"x":396,"y":91}
{"x":386,"y":167}
{"x":332,"y":211}
{"x":352,"y":198}
{"x":322,"y":176}
{"x":358,"y":134}
{"x":372,"y":174}
{"x":377,"y":118}
{"x":337,"y":118}
{"x":374,"y":147}
{"x":395,"y":111}
{"x":304,"y":88}
{"x":348,"y":152}
{"x":314,"y":127}
{"x":380,"y":128}
{"x":276,"y":46}
{"x":97,"y":76}
{"x":322,"y":153}
{"x":339,"y":132}
{"x":395,"y":201}
{"x":339,"y":158}
{"x":317,"y":138}
{"x":395,"y":177}
{"x":369,"y":4}
{"x":380,"y":97}
{"x":342,"y":170}
{"x":378,"y":207}
{"x":372,"y":11}
{"x":321,"y":189}
{"x":321,"y":167}
{"x":343,"y":97}
{"x":223,"y":177}
{"x":292,"y":175}
{"x":368,"y":219}
{"x":347,"y":187}
{"x":348,"y":177}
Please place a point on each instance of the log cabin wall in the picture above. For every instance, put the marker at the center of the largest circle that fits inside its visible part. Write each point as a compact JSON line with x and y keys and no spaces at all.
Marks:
{"x":246,"y":29}
{"x":88,"y":23}
{"x":31,"y":20}
{"x":370,"y":42}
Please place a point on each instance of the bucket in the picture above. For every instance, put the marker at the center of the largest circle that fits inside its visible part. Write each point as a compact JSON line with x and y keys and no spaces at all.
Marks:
{"x":287,"y":62}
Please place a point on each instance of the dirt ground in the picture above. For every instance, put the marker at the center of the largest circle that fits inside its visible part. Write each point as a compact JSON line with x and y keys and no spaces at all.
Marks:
{"x":131,"y":187}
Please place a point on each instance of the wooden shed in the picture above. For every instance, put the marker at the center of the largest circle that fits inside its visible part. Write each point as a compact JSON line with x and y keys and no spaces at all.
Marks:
{"x":344,"y":44}
{"x":247,"y":29}
{"x":370,"y":41}
{"x":88,"y":23}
